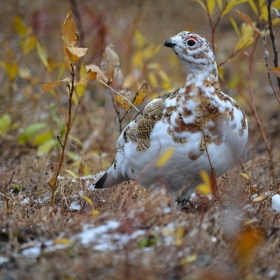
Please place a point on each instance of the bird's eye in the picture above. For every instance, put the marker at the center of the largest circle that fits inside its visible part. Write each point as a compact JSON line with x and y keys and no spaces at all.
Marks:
{"x":191,"y":43}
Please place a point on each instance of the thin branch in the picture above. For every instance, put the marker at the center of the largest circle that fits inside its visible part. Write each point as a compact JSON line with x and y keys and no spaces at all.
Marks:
{"x":272,"y":37}
{"x":266,"y":54}
{"x":252,"y":102}
{"x":68,"y":128}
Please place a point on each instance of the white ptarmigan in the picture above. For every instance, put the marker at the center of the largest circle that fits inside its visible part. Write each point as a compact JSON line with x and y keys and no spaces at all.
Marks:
{"x":195,"y":119}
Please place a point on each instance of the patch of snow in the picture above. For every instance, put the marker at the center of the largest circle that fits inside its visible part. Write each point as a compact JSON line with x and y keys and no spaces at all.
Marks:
{"x":213,"y":239}
{"x":3,"y":260}
{"x":75,"y":205}
{"x":276,"y":202}
{"x":254,"y":195}
{"x":26,"y":201}
{"x":272,"y":273}
{"x":101,"y":237}
{"x":166,"y":210}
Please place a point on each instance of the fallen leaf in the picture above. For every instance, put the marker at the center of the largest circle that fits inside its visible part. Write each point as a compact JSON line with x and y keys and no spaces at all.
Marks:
{"x":73,"y":174}
{"x":247,"y":240}
{"x":188,"y":259}
{"x":141,"y":94}
{"x":110,"y":62}
{"x":51,"y":85}
{"x":69,"y":33}
{"x":165,"y":157}
{"x":259,"y":198}
{"x":205,"y":187}
{"x":75,"y":54}
{"x":64,"y":241}
{"x":87,"y":199}
{"x":244,"y":175}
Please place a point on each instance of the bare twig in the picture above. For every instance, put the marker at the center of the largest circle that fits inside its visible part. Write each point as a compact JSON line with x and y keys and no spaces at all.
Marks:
{"x":5,"y":187}
{"x":213,"y":25}
{"x":252,"y":102}
{"x":272,"y":37}
{"x":266,"y":54}
{"x":68,"y":128}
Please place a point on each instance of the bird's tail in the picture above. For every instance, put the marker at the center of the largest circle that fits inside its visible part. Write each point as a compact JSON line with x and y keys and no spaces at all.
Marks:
{"x":109,"y":179}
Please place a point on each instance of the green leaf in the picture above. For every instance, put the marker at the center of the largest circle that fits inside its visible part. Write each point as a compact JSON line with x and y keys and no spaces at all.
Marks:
{"x":43,"y":137}
{"x":29,"y":132}
{"x":5,"y":122}
{"x":46,"y":147}
{"x":143,"y":243}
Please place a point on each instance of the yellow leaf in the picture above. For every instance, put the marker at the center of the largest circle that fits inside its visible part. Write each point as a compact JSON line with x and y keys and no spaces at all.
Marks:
{"x":189,"y":259}
{"x":201,"y":3}
{"x":129,"y":81}
{"x":244,"y":175}
{"x":141,"y":94}
{"x":87,"y":199}
{"x":165,"y":157}
{"x":75,"y":54}
{"x":156,"y":66}
{"x":220,"y":3}
{"x":121,"y":100}
{"x":28,"y":44}
{"x":235,"y":27}
{"x":150,"y":51}
{"x":11,"y":69}
{"x":42,"y":54}
{"x":19,"y":26}
{"x":110,"y":61}
{"x":51,"y":85}
{"x":139,"y":39}
{"x":95,"y":213}
{"x":80,"y":90}
{"x":246,"y":242}
{"x":137,"y":59}
{"x":248,"y":20}
{"x":210,"y":6}
{"x":69,"y":33}
{"x":98,"y":72}
{"x":73,"y":174}
{"x":63,"y":241}
{"x":153,"y":79}
{"x":259,"y":198}
{"x":66,"y":57}
{"x":253,"y":6}
{"x":275,"y":71}
{"x":179,"y":236}
{"x":205,"y":187}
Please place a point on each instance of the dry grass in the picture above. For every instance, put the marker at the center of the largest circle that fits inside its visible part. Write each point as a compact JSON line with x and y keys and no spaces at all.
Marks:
{"x":151,"y":239}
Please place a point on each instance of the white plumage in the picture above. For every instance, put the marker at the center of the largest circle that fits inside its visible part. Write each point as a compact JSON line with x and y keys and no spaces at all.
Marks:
{"x":190,"y":119}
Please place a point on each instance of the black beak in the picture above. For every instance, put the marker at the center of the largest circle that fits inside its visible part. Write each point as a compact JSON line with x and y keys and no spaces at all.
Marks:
{"x":169,"y":44}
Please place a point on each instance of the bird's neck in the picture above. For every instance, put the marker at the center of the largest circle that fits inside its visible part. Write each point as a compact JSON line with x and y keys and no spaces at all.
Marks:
{"x":202,"y":73}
